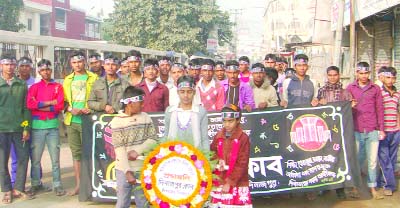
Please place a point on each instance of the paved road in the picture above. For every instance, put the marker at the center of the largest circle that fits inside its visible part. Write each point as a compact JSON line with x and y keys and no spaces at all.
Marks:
{"x":49,"y":200}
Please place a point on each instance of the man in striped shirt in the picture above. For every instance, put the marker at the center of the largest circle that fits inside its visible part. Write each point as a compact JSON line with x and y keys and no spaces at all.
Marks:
{"x":388,"y":147}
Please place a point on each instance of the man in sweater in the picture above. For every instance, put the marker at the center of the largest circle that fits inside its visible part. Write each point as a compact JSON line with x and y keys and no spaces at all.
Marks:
{"x":211,"y":92}
{"x":14,"y":128}
{"x":264,"y":94}
{"x":368,"y":122}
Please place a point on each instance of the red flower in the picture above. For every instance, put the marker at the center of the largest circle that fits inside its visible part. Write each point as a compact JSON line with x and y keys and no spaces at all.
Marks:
{"x":203,"y":184}
{"x":153,"y":160}
{"x":188,"y":205}
{"x":172,"y":148}
{"x":148,"y":186}
{"x":193,"y":157}
{"x":164,"y":205}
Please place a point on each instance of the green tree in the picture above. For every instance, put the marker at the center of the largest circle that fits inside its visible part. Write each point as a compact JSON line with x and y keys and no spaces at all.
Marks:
{"x":9,"y":15}
{"x":179,"y":25}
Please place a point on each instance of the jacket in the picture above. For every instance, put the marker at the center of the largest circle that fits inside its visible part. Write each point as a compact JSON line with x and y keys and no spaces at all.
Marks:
{"x":368,"y":113}
{"x":13,"y":109}
{"x":246,"y":96}
{"x":265,"y":93}
{"x":239,"y":176}
{"x":98,"y":98}
{"x":299,"y":92}
{"x":41,"y":92}
{"x":157,"y":100}
{"x":92,"y":77}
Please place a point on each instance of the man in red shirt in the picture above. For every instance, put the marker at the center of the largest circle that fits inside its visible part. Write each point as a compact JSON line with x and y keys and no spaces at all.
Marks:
{"x":156,"y":94}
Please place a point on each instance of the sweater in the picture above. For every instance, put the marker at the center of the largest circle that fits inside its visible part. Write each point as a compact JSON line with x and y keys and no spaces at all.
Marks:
{"x":136,"y":133}
{"x":265,"y":93}
{"x":194,"y":131}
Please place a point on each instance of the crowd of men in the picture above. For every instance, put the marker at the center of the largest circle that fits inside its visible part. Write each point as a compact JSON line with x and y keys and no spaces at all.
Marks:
{"x":29,"y":108}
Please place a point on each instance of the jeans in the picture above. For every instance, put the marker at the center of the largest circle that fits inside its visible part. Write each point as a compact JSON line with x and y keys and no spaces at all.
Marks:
{"x":367,"y":148}
{"x":22,"y":150}
{"x":14,"y":164}
{"x":40,"y":138}
{"x":124,"y":190}
{"x":387,"y":158}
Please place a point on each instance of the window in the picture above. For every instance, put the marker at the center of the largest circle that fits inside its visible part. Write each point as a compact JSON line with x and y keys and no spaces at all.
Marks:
{"x":30,"y":24}
{"x":60,"y":20}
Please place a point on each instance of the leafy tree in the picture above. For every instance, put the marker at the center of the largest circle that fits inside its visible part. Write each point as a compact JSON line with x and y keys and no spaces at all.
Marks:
{"x":9,"y":15}
{"x":181,"y":25}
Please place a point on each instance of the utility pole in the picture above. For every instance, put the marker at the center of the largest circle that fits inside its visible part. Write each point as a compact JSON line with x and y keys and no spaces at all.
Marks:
{"x":353,"y":44}
{"x":339,"y":34}
{"x":236,"y":12}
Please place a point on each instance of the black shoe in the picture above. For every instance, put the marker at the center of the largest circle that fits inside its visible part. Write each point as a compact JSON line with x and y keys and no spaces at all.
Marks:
{"x":340,"y":194}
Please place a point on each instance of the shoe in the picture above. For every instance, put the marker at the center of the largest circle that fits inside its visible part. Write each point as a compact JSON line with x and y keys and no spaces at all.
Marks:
{"x":377,"y":196}
{"x":387,"y":192}
{"x":59,"y":191}
{"x":340,"y":194}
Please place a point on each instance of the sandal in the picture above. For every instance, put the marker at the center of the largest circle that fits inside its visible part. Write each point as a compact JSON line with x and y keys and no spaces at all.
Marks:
{"x":59,"y":191}
{"x":377,"y":196}
{"x":7,"y":198}
{"x":354,"y":194}
{"x":311,"y":196}
{"x":23,"y":195}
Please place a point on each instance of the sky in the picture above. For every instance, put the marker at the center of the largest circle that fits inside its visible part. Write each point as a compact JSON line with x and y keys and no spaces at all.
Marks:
{"x":249,"y":17}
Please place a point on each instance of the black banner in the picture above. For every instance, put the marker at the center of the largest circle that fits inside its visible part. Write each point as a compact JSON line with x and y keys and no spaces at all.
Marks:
{"x":292,"y":150}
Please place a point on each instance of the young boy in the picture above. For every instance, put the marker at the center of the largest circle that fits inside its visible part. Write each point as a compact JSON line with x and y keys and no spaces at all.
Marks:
{"x":133,"y":133}
{"x":388,"y":147}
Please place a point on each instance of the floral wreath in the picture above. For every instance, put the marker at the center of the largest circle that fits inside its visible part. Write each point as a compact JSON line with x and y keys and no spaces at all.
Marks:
{"x":182,"y":150}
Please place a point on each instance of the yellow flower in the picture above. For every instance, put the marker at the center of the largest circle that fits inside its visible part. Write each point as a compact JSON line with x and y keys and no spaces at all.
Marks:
{"x":24,"y":123}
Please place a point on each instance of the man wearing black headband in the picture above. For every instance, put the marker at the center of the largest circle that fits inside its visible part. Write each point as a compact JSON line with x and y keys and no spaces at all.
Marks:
{"x":15,"y":122}
{"x":96,"y":64}
{"x":25,"y":66}
{"x":264,"y":94}
{"x":300,"y":89}
{"x":219,"y":70}
{"x":77,"y":87}
{"x":195,"y":69}
{"x":156,"y":94}
{"x":134,"y":59}
{"x":164,"y":73}
{"x":107,"y":91}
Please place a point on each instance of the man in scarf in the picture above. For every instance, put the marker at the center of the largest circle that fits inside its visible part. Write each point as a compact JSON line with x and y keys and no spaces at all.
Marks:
{"x":333,"y":90}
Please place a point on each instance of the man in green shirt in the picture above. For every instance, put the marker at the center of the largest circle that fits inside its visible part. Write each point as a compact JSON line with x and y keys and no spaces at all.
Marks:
{"x":77,"y":87}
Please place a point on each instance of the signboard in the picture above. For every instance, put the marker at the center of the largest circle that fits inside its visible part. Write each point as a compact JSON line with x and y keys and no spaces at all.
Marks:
{"x":292,"y":150}
{"x":212,"y":44}
{"x":363,"y":9}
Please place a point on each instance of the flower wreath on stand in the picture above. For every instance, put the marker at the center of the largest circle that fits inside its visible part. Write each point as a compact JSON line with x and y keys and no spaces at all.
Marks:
{"x":176,"y":174}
